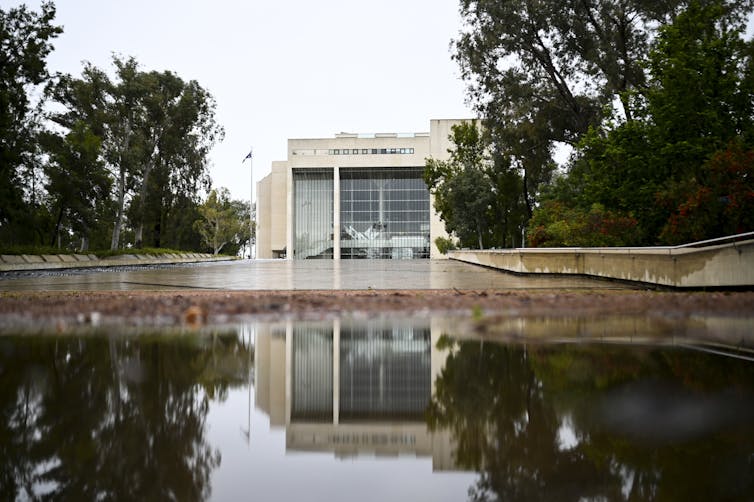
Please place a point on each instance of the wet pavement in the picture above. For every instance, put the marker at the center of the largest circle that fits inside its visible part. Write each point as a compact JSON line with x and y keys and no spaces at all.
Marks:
{"x":296,"y":275}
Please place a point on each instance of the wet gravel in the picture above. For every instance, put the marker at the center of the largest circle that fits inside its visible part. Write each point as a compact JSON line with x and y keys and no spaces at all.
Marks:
{"x":67,"y":310}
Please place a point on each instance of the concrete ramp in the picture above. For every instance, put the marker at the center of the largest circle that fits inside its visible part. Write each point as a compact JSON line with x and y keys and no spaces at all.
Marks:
{"x":719,"y":263}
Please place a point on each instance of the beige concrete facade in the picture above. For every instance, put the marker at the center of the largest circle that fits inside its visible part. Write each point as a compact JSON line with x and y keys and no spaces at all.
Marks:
{"x":345,"y":150}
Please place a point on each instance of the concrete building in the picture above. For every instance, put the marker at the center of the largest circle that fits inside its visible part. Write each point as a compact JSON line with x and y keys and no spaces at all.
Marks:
{"x":352,"y":196}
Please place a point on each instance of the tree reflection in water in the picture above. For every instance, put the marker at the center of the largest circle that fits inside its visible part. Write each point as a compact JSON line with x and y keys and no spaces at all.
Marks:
{"x":87,"y":418}
{"x":555,"y":422}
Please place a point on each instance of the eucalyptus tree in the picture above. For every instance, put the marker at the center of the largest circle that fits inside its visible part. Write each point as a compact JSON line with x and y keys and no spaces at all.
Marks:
{"x":554,"y":64}
{"x":25,"y":42}
{"x":123,"y":147}
{"x":77,"y":182}
{"x":93,"y":102}
{"x":156,"y":131}
{"x":541,"y":73}
{"x":178,"y":129}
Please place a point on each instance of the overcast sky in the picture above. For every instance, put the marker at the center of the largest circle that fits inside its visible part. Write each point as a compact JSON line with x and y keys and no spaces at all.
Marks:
{"x":280,"y":69}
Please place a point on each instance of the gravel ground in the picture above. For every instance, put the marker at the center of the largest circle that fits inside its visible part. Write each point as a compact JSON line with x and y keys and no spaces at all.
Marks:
{"x":67,"y":310}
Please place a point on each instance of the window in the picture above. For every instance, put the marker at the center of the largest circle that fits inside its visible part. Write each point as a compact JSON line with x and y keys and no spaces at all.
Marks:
{"x":383,"y":213}
{"x":312,"y":213}
{"x":366,"y":151}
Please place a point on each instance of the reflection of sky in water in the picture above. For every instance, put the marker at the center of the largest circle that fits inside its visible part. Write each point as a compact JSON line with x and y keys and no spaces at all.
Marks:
{"x":566,"y":435}
{"x":262,"y":470}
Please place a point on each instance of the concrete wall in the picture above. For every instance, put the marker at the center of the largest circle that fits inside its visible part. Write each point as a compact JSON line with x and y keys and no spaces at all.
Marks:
{"x":17,"y":263}
{"x":439,"y":141}
{"x":271,"y":212}
{"x":724,"y":265}
{"x":264,"y":246}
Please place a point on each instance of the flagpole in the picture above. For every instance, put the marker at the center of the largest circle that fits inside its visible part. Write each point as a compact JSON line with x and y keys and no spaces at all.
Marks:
{"x":251,"y":202}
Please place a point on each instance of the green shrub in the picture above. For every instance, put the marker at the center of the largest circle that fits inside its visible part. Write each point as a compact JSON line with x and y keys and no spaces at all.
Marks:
{"x":555,"y":225}
{"x":444,"y":245}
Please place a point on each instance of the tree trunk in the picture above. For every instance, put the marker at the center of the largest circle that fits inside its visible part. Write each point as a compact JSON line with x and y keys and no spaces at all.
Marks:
{"x":115,"y":242}
{"x":525,"y":185}
{"x":142,"y":202}
{"x":84,"y":244}
{"x":479,"y":235}
{"x":56,"y":232}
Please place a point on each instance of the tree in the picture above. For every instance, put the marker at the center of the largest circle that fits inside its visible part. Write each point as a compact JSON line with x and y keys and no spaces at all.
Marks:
{"x":723,"y":204}
{"x":697,"y":101}
{"x":77,"y":181}
{"x":156,"y":132}
{"x":556,"y":225}
{"x":477,"y":193}
{"x":541,"y":72}
{"x":223,"y":221}
{"x":178,"y":130}
{"x":25,"y":42}
{"x":506,"y":407}
{"x":123,"y":148}
{"x":96,"y":397}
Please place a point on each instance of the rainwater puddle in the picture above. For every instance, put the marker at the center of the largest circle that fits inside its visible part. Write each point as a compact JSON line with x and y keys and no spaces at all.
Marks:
{"x":374,"y":410}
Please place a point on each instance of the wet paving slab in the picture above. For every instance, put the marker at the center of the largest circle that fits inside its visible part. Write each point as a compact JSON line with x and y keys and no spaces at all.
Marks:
{"x":296,"y":275}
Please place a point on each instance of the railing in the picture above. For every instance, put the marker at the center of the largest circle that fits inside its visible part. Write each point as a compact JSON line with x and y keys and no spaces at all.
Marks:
{"x":719,"y":240}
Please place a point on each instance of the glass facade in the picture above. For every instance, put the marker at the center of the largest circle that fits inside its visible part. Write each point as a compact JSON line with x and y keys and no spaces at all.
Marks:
{"x":383,"y":372}
{"x":312,"y":213}
{"x":312,"y":369}
{"x":384,"y":213}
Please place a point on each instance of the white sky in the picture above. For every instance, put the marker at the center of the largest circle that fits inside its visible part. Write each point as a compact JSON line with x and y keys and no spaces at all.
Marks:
{"x":280,"y":69}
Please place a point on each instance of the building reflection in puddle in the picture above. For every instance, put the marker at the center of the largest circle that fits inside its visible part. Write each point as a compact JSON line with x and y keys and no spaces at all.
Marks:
{"x":612,"y":416}
{"x":352,"y":388}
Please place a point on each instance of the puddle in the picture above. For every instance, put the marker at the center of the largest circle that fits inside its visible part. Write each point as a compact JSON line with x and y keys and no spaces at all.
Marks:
{"x":381,"y":409}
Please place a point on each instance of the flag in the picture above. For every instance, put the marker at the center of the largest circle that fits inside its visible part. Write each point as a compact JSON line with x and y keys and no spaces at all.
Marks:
{"x":247,"y":157}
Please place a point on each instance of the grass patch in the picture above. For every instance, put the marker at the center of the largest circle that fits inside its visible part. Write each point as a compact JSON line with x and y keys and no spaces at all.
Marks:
{"x":152,"y":251}
{"x":31,"y":250}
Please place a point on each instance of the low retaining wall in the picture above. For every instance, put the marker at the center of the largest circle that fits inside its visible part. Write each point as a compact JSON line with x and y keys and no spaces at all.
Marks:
{"x":722,"y":265}
{"x":17,"y":263}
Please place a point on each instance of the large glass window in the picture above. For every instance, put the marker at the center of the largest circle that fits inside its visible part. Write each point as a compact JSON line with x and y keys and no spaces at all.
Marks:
{"x":313,"y":213}
{"x":312,"y":378}
{"x":385,"y":372}
{"x":384,"y":213}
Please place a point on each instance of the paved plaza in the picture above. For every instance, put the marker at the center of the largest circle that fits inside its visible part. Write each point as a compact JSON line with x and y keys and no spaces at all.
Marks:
{"x":296,"y":275}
